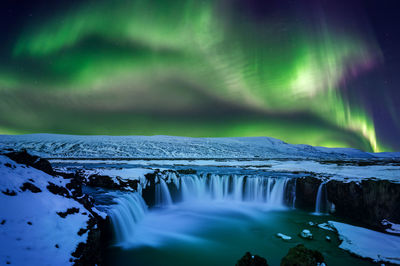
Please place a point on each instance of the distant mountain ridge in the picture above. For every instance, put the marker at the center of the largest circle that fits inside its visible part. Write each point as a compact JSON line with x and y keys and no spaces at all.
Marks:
{"x":73,"y":146}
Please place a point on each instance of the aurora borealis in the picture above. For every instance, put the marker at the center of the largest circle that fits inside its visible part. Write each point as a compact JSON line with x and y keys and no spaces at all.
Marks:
{"x":305,"y":73}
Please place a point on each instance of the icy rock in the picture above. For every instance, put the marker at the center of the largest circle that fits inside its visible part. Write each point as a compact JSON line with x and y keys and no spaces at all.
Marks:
{"x":391,"y":227}
{"x":284,"y":237}
{"x":306,"y":234}
{"x":328,"y":238}
{"x":311,"y":223}
{"x":325,"y":226}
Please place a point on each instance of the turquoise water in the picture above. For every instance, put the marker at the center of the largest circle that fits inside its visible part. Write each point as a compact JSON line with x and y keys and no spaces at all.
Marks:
{"x":219,"y":233}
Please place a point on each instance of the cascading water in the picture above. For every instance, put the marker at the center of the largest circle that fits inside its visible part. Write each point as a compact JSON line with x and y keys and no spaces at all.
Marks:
{"x":234,"y":188}
{"x":276,"y":197}
{"x":128,"y":211}
{"x":131,"y":208}
{"x":321,"y":203}
{"x":163,"y":196}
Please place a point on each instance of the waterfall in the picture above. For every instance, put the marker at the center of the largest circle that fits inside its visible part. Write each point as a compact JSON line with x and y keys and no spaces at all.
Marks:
{"x":236,"y":188}
{"x":163,"y":196}
{"x":276,"y":198}
{"x":131,"y":207}
{"x":294,"y":194}
{"x":321,"y":202}
{"x":128,"y":211}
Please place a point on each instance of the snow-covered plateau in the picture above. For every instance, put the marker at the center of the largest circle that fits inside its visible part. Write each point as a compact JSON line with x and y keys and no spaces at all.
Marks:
{"x":70,"y":146}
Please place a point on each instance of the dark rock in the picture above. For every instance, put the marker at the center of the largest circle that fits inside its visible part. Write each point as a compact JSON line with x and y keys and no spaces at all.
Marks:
{"x":68,"y":211}
{"x":8,"y":165}
{"x":90,"y":253}
{"x":9,"y":192}
{"x":149,"y":192}
{"x":23,"y":157}
{"x":189,"y":171}
{"x":251,"y":260}
{"x":367,"y":202}
{"x":102,"y":181}
{"x":82,"y":231}
{"x":108,"y":182}
{"x":302,"y":256}
{"x":306,"y":192}
{"x":30,"y":223}
{"x":31,"y":187}
{"x":75,"y":186}
{"x":57,"y":190}
{"x":57,"y":246}
{"x":3,"y":222}
{"x":126,"y":184}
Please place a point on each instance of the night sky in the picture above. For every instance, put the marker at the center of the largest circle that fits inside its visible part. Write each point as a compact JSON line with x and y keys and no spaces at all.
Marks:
{"x":314,"y":72}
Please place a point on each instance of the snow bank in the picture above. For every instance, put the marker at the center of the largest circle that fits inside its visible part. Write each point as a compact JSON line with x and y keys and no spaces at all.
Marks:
{"x":367,"y":243}
{"x":31,"y":231}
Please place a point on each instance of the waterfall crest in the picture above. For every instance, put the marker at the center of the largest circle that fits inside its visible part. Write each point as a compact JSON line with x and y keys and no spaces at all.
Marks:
{"x":163,"y":196}
{"x":128,"y":211}
{"x":322,"y":204}
{"x":234,"y":188}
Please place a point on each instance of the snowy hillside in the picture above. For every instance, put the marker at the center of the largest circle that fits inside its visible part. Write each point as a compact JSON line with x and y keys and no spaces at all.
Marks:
{"x":68,"y":146}
{"x":37,"y":224}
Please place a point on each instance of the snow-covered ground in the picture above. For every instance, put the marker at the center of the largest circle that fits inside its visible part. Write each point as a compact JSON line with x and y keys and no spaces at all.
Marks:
{"x":31,"y":231}
{"x":69,"y":146}
{"x":367,"y":243}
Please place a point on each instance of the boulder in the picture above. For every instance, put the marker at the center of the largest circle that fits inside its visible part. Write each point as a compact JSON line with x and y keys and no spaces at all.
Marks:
{"x":251,"y":260}
{"x":23,"y":157}
{"x":302,"y":256}
{"x":306,"y":234}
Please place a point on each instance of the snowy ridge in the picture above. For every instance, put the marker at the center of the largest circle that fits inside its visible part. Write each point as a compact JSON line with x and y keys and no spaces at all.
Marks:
{"x":70,"y":146}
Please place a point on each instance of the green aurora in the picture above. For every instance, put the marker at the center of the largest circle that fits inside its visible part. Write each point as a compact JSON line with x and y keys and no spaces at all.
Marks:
{"x":189,"y":68}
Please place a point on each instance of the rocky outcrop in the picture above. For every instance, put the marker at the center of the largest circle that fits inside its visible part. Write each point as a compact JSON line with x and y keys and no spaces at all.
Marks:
{"x":251,"y":260}
{"x":306,"y":192}
{"x":91,"y":252}
{"x":108,"y":182}
{"x":302,"y":256}
{"x":368,"y":202}
{"x":23,"y":157}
